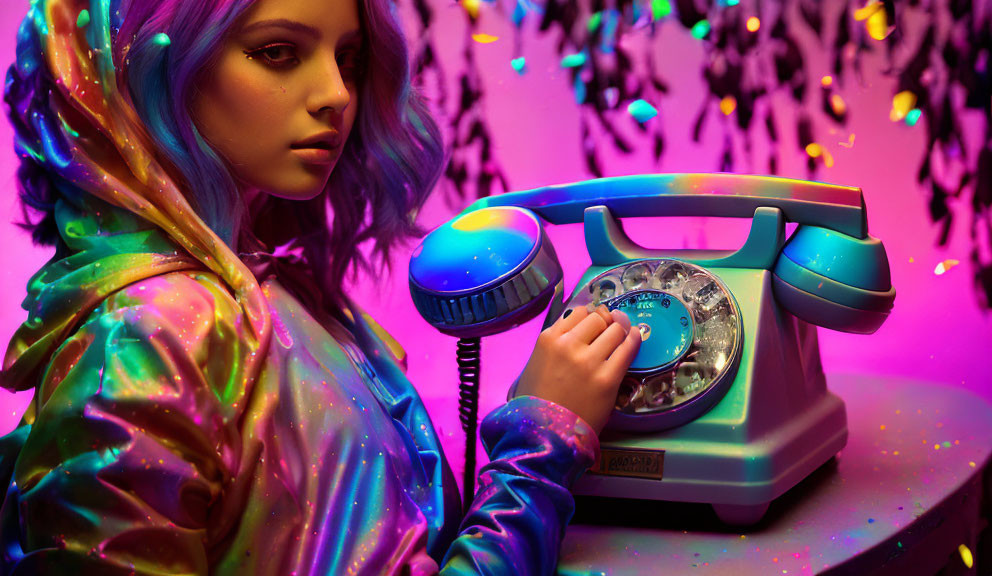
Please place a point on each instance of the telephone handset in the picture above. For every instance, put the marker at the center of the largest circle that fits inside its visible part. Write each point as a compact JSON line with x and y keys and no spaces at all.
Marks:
{"x":708,"y":319}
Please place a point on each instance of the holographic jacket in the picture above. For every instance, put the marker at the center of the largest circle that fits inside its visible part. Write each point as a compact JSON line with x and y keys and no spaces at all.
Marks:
{"x":192,"y":416}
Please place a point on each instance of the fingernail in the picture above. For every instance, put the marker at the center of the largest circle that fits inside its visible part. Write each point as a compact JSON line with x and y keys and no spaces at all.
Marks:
{"x":590,"y":307}
{"x":622,"y":318}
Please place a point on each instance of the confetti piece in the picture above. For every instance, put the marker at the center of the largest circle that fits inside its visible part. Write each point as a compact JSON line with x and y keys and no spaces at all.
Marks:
{"x":902,"y":104}
{"x":871,"y":520}
{"x":641,"y":111}
{"x":701,"y":29}
{"x":972,"y":464}
{"x":484,"y":38}
{"x":913,"y":116}
{"x":966,"y":556}
{"x":876,"y":22}
{"x":594,"y":21}
{"x":472,"y":7}
{"x":946,"y":444}
{"x":945,"y":266}
{"x":84,"y":18}
{"x":733,"y":2}
{"x":162,"y":39}
{"x":753,"y":24}
{"x":850,"y":144}
{"x":519,"y":64}
{"x":837,"y":104}
{"x":815,"y":150}
{"x":573,"y":60}
{"x":660,"y":9}
{"x":728,"y":105}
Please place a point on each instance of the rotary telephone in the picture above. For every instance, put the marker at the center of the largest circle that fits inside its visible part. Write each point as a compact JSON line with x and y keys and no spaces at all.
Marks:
{"x":726,"y":401}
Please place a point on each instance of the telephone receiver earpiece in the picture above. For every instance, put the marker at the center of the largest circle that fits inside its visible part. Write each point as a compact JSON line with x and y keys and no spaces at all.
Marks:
{"x":834,"y":280}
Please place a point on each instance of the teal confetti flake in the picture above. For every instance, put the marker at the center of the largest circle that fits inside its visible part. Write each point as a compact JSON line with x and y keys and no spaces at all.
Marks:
{"x":161,"y":39}
{"x":913,"y":116}
{"x":660,"y":9}
{"x":519,"y":64}
{"x":641,"y":111}
{"x":946,"y":444}
{"x":573,"y":60}
{"x":701,"y":29}
{"x":84,"y":18}
{"x":594,"y":21}
{"x":733,"y":2}
{"x":580,"y":90}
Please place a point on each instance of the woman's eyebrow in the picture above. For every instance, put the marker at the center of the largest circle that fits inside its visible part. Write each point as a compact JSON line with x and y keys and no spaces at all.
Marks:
{"x":291,"y":25}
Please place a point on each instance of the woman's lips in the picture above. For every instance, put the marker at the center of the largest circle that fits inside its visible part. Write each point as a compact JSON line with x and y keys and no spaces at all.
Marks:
{"x":319,"y":156}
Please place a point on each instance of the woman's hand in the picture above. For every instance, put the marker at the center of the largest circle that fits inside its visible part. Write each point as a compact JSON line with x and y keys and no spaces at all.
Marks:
{"x":579,"y":361}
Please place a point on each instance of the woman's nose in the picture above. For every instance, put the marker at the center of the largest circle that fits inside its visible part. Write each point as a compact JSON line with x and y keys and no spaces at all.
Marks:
{"x":329,"y":88}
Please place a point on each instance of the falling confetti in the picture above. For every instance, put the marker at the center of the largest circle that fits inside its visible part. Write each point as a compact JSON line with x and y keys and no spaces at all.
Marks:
{"x":838,"y":105}
{"x":573,"y":60}
{"x":966,"y":556}
{"x":753,"y":24}
{"x":642,"y":111}
{"x":902,"y":104}
{"x":850,"y":144}
{"x":594,"y":21}
{"x":815,"y":150}
{"x":913,"y":117}
{"x":701,"y":29}
{"x":484,"y":38}
{"x":519,"y":64}
{"x":472,"y":7}
{"x":728,"y":105}
{"x":945,"y":266}
{"x":84,"y":18}
{"x":660,"y":9}
{"x":876,"y":22}
{"x":161,"y":39}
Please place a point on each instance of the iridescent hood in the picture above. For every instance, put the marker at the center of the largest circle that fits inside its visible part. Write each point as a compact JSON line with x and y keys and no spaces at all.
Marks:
{"x":122,"y":218}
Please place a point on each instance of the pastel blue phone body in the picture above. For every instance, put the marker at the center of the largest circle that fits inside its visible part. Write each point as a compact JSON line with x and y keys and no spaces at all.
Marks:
{"x":726,"y":403}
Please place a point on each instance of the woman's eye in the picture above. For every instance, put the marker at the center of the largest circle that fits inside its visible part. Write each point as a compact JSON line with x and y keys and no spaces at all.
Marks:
{"x":274,"y":54}
{"x":349,"y":62}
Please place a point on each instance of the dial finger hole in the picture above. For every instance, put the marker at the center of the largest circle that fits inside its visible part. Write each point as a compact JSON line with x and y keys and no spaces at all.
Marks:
{"x":636,"y":276}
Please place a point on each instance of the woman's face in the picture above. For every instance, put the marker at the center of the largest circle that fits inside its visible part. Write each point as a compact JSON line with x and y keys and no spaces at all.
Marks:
{"x":281,"y":100}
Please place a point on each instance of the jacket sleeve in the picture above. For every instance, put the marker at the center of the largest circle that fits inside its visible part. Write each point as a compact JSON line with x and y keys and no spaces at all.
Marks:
{"x":517,"y":520}
{"x":136,"y":420}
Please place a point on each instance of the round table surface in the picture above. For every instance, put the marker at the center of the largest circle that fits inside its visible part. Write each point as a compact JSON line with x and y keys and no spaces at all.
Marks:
{"x":912,"y":448}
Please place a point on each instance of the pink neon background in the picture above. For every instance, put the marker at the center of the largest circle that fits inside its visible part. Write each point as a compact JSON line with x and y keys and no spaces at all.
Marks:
{"x":936,"y":332}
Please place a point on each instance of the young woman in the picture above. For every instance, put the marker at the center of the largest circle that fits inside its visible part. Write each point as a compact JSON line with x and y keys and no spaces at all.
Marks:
{"x":207,"y":399}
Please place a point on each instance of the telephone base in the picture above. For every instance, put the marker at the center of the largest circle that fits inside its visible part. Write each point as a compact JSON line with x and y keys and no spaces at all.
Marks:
{"x":738,"y":474}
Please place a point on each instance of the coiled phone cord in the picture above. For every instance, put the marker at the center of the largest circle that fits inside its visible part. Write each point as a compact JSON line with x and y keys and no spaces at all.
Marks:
{"x":469,"y":359}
